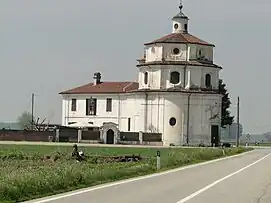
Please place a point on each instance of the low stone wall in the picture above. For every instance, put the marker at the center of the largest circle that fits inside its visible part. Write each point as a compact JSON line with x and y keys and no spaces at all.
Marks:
{"x":20,"y":135}
{"x":91,"y":135}
{"x":152,"y":137}
{"x":129,"y":136}
{"x":73,"y":136}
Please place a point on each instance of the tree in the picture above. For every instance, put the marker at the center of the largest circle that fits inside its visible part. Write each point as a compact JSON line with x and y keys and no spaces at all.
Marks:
{"x":226,"y":118}
{"x":25,"y":120}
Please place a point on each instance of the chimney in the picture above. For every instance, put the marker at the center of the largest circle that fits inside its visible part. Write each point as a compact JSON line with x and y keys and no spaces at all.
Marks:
{"x":188,"y":80}
{"x":97,"y":78}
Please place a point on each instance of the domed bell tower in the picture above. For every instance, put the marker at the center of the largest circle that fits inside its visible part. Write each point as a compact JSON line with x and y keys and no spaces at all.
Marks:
{"x":180,"y":21}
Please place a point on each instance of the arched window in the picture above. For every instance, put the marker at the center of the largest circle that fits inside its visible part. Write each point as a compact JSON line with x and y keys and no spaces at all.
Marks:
{"x":174,"y":77}
{"x":146,"y":78}
{"x":208,"y":80}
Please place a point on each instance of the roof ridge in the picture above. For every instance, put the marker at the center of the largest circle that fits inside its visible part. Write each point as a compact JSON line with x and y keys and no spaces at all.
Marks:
{"x":116,"y":81}
{"x":198,"y":38}
{"x":182,"y":38}
{"x":125,"y":87}
{"x":105,"y":87}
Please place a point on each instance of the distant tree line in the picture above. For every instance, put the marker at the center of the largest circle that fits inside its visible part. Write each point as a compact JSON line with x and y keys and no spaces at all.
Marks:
{"x":26,"y":123}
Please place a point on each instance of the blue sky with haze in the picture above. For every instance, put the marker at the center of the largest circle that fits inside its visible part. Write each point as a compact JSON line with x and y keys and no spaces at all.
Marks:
{"x":52,"y":45}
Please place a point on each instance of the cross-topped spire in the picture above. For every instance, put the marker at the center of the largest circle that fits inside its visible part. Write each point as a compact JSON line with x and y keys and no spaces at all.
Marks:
{"x":180,"y":21}
{"x":180,"y":14}
{"x":181,"y":5}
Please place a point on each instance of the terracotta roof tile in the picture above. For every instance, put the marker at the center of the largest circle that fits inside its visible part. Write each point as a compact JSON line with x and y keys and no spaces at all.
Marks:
{"x":180,"y":38}
{"x":104,"y":87}
{"x":191,"y":63}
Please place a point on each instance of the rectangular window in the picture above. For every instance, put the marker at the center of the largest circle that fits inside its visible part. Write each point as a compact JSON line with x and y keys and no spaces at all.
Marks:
{"x":186,"y":27}
{"x":73,"y":105}
{"x":91,"y":107}
{"x":87,"y":107}
{"x":109,"y":105}
{"x":129,"y":124}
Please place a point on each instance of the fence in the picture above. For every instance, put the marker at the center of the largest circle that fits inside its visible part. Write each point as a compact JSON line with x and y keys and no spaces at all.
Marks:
{"x":71,"y":135}
{"x":129,"y":136}
{"x":19,"y":135}
{"x":91,"y":135}
{"x":152,"y":137}
{"x":68,"y":135}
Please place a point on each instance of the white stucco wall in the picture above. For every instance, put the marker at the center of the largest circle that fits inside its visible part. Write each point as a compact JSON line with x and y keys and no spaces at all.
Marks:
{"x":124,"y":106}
{"x":198,"y":76}
{"x":176,"y":105}
{"x":80,"y":114}
{"x":154,"y":53}
{"x":180,"y":22}
{"x":170,"y":56}
{"x":187,"y":52}
{"x":154,"y":77}
{"x":151,"y":115}
{"x":206,"y":51}
{"x":159,"y":76}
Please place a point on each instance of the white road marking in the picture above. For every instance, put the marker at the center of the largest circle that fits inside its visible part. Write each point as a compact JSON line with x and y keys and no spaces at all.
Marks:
{"x":78,"y":192}
{"x":218,"y":181}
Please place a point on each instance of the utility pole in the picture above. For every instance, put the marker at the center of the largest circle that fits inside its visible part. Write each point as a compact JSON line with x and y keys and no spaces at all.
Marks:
{"x":32,"y":111}
{"x":238,"y":123}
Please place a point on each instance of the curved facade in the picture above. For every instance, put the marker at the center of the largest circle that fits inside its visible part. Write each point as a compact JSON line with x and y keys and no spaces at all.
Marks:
{"x":174,"y":122}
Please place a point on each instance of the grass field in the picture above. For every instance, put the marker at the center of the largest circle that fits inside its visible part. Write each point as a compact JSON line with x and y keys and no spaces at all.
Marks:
{"x":26,"y":175}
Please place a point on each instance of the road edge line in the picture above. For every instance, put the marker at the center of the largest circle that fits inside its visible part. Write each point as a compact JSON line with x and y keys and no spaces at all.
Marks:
{"x":198,"y":192}
{"x":106,"y":185}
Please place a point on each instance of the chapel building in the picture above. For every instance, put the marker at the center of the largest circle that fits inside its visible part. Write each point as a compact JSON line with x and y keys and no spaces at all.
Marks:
{"x":176,"y":94}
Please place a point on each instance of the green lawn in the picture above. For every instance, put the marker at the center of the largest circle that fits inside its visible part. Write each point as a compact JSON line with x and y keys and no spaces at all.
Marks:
{"x":25,"y":175}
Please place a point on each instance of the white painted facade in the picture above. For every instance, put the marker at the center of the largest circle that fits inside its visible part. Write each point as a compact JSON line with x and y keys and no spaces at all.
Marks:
{"x":195,"y":111}
{"x":160,"y":107}
{"x":159,"y":77}
{"x":187,"y":52}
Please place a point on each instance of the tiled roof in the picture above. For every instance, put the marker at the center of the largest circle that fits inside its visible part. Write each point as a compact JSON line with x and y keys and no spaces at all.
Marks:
{"x":191,"y":63}
{"x":104,"y":87}
{"x":180,"y":38}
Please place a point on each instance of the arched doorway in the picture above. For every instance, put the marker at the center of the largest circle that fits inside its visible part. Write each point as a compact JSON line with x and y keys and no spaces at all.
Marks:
{"x":110,"y":137}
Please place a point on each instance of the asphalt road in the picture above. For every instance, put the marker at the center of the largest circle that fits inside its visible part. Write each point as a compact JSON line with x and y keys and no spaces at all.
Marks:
{"x":241,"y":179}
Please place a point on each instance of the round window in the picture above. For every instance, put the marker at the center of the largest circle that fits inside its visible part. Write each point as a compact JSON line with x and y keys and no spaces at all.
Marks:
{"x":176,"y":51}
{"x":172,"y":121}
{"x":176,"y":26}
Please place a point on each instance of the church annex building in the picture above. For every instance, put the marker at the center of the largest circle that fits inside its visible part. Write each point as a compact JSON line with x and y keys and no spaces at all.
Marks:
{"x":176,"y":94}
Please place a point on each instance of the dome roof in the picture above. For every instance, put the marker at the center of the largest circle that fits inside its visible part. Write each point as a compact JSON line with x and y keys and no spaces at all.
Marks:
{"x":180,"y":38}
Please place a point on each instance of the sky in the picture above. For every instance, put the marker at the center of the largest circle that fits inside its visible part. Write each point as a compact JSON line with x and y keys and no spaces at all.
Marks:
{"x":48,"y":46}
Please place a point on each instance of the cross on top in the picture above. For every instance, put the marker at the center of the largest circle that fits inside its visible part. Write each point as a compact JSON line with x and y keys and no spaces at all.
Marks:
{"x":181,"y":5}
